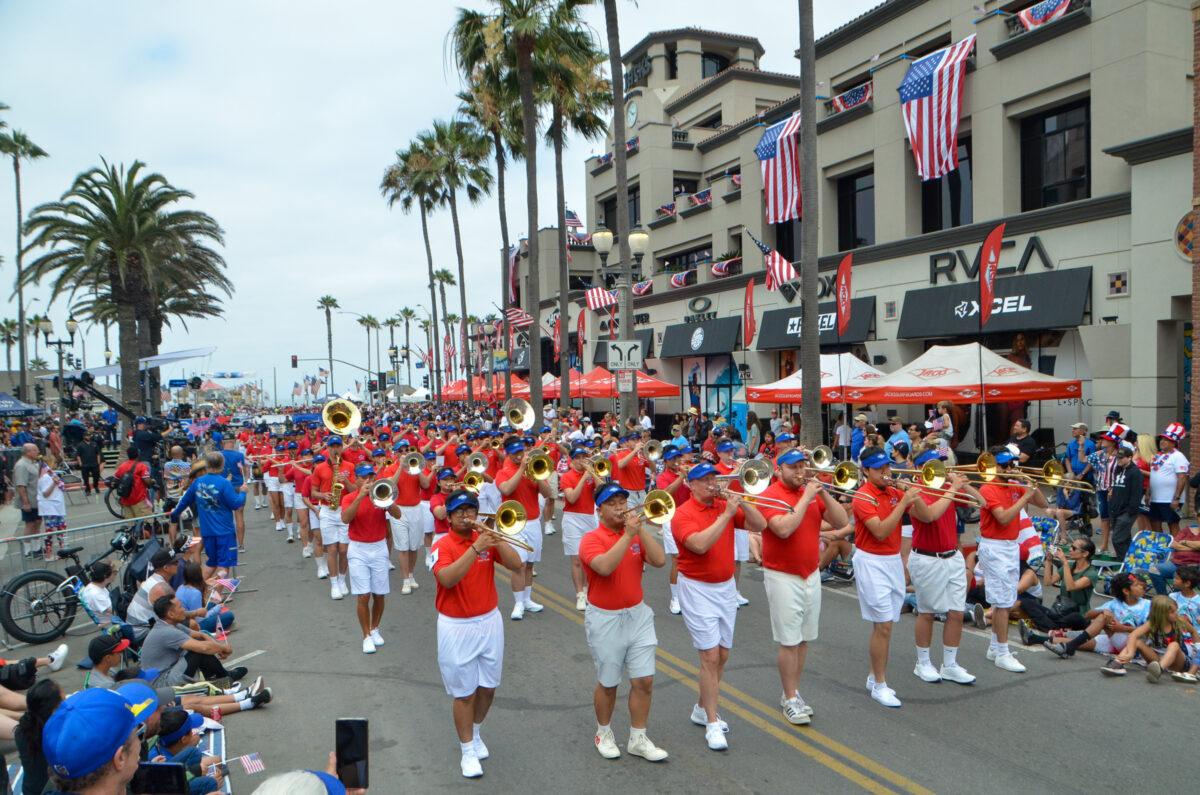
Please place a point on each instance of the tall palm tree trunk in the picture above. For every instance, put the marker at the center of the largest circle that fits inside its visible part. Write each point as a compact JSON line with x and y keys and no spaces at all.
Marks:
{"x":533,"y":290}
{"x":379,"y":385}
{"x":462,"y":297}
{"x":810,"y":351}
{"x":370,"y":399}
{"x":407,"y":356}
{"x":329,"y":346}
{"x":21,"y":349}
{"x":8,"y":356}
{"x":505,"y":276}
{"x":564,"y":275}
{"x":446,"y":333}
{"x":437,"y":355}
{"x":127,"y":341}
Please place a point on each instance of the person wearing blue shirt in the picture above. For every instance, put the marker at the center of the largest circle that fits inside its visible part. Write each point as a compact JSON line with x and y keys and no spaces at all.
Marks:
{"x":22,"y":436}
{"x":214,"y":501}
{"x":110,"y":420}
{"x":899,"y":435}
{"x":858,"y":436}
{"x":236,"y":471}
{"x":1078,"y":464}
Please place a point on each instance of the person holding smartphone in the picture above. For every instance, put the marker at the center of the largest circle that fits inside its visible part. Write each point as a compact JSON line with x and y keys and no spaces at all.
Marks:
{"x":469,"y":628}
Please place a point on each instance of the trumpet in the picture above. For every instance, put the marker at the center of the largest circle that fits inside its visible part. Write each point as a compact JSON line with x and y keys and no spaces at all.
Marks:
{"x":477,"y":463}
{"x":755,"y":499}
{"x":341,"y":416}
{"x":539,"y":466}
{"x":383,"y":493}
{"x":658,"y":507}
{"x":413,"y":463}
{"x":601,"y":467}
{"x":510,"y":520}
{"x":519,"y":413}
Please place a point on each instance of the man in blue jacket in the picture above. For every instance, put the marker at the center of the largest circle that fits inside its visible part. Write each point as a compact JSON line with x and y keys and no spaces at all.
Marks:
{"x":214,"y":500}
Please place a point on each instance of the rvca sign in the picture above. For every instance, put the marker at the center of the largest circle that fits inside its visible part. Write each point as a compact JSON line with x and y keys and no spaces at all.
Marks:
{"x":945,"y":263}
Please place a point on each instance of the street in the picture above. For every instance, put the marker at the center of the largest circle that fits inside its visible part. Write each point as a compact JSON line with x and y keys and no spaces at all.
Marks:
{"x":1016,"y":727}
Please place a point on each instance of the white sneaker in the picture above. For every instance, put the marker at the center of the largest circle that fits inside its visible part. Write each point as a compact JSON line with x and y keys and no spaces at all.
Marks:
{"x":956,"y":673}
{"x":991,"y":653}
{"x":279,"y":526}
{"x":322,"y":569}
{"x":334,"y":591}
{"x":376,"y":638}
{"x":391,"y":566}
{"x":714,"y":735}
{"x":741,"y":600}
{"x":926,"y":672}
{"x":581,"y":601}
{"x":368,"y":645}
{"x":606,"y":744}
{"x":674,"y":608}
{"x":1009,"y":662}
{"x":470,"y":766}
{"x":870,"y":682}
{"x":481,"y":750}
{"x":646,"y":749}
{"x":885,"y":696}
{"x":794,"y":711}
{"x":412,"y":583}
{"x":533,"y":607}
{"x":550,"y":530}
{"x":58,"y":656}
{"x":701,"y":719}
{"x":405,"y":589}
{"x":428,"y":562}
{"x":518,"y":611}
{"x":307,"y":551}
{"x":804,"y":707}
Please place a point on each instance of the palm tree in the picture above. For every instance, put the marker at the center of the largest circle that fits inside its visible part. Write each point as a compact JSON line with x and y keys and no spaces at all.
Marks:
{"x":407,"y":316}
{"x":459,"y":150}
{"x":444,"y":277}
{"x":38,"y":363}
{"x":810,"y":351}
{"x":328,"y":303}
{"x":17,"y":145}
{"x":411,"y":181}
{"x":33,"y":330}
{"x":8,"y":336}
{"x":427,"y":326}
{"x":452,"y":362}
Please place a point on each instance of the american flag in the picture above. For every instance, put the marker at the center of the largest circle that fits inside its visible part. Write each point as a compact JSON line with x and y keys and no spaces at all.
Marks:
{"x":229,"y":584}
{"x":665,"y":210}
{"x":701,"y":197}
{"x":722,"y":268}
{"x":643,"y":288}
{"x":448,"y":347}
{"x":779,"y":270}
{"x":632,"y":144}
{"x":930,"y":101}
{"x":252,"y":763}
{"x":779,"y":156}
{"x":581,"y":239}
{"x":1046,"y":11}
{"x":321,"y":371}
{"x":604,"y":159}
{"x":573,"y":221}
{"x":220,"y":633}
{"x":855,"y":96}
{"x":296,"y":389}
{"x":598,"y":298}
{"x":518,"y":318}
{"x":680,"y":279}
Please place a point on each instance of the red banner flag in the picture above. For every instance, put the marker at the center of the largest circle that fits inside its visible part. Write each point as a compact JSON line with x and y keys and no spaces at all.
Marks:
{"x":558,"y":338}
{"x":989,"y":261}
{"x":579,"y":332}
{"x":843,"y":294}
{"x":749,"y":326}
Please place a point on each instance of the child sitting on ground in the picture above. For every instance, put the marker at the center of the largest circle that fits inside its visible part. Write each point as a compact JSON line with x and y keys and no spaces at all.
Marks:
{"x":1111,"y":623}
{"x":1159,"y":640}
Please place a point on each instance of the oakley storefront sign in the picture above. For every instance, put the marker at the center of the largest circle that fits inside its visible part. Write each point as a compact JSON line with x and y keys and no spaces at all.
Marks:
{"x":945,"y":263}
{"x":699,"y":307}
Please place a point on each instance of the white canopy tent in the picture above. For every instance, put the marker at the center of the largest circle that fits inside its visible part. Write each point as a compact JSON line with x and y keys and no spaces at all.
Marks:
{"x":145,"y":363}
{"x":841,"y":373}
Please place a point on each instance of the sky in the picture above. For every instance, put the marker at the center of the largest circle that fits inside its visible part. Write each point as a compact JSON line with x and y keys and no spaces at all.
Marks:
{"x":281,"y":118}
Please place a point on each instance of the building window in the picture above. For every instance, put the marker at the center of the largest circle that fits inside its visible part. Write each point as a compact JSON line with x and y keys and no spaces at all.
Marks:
{"x":856,"y":210}
{"x":672,"y":62}
{"x":946,"y":202}
{"x":713,"y":122}
{"x":685,"y":260}
{"x":686,"y":185}
{"x":608,"y":209}
{"x":1055,"y":161}
{"x":712,"y":63}
{"x":576,"y":281}
{"x":787,"y":238}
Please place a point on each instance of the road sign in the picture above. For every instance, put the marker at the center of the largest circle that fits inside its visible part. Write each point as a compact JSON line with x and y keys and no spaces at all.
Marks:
{"x":625,"y":380}
{"x":624,"y":355}
{"x":177,"y":383}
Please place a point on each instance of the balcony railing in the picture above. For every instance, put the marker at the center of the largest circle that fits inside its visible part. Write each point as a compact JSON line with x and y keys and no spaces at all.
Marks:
{"x":679,"y":136}
{"x":1016,"y":28}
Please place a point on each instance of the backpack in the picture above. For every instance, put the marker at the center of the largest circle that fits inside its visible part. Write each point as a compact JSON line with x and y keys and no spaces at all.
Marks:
{"x":125,"y":483}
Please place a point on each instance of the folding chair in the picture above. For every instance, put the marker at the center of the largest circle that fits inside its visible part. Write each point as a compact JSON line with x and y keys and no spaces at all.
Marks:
{"x":1147,"y":549}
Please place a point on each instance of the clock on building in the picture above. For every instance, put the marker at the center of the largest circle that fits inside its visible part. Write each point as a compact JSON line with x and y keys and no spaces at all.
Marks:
{"x":631,"y":114}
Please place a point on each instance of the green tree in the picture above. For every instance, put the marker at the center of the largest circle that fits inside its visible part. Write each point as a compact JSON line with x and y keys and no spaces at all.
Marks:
{"x":38,"y":363}
{"x":8,"y":336}
{"x":18,"y":147}
{"x":327,"y":303}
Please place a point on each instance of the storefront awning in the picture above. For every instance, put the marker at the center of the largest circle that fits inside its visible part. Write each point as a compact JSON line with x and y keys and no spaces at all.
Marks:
{"x":644,"y":336}
{"x":1054,"y":299}
{"x":781,"y":327}
{"x":706,"y":338}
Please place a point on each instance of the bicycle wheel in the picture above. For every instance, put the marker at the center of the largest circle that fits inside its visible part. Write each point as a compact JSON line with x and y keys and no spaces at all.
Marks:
{"x":33,"y":610}
{"x":113,"y":503}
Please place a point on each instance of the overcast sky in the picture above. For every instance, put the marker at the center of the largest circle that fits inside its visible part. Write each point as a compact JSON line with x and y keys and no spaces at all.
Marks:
{"x":280,"y":117}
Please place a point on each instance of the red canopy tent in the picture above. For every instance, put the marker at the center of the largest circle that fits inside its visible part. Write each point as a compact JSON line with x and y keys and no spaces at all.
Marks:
{"x":458,"y":389}
{"x":600,"y":383}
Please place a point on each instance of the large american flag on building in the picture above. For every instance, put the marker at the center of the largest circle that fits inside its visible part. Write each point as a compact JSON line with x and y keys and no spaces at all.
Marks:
{"x":779,"y":156}
{"x":855,"y":96}
{"x":1046,"y":11}
{"x":779,"y":270}
{"x":930,"y":102}
{"x":518,"y":318}
{"x":572,"y":220}
{"x":598,"y":298}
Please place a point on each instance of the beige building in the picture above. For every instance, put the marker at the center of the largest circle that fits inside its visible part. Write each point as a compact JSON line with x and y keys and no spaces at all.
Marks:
{"x":1077,"y":134}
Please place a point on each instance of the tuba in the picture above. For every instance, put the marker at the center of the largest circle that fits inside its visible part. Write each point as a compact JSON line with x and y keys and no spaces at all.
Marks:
{"x":341,"y":417}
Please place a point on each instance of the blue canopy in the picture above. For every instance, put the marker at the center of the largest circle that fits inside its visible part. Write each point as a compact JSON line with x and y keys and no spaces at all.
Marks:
{"x":11,"y":407}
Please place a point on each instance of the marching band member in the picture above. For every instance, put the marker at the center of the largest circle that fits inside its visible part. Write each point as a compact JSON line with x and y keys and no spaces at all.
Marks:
{"x":629,"y":468}
{"x":470,"y":633}
{"x":335,"y":535}
{"x":878,"y":569}
{"x":313,"y":546}
{"x":287,"y":490}
{"x":578,"y":487}
{"x":513,"y":483}
{"x":408,"y":529}
{"x":791,"y":571}
{"x":726,"y":465}
{"x":618,"y":624}
{"x":367,"y":555}
{"x":703,"y":530}
{"x":271,"y":468}
{"x":671,"y":480}
{"x":427,"y":492}
{"x":999,"y":554}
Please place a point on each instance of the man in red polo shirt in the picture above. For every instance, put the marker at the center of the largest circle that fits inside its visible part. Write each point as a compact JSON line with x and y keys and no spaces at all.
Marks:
{"x":470,"y":632}
{"x":578,"y":487}
{"x":939,"y":575}
{"x":878,"y":569}
{"x":791,"y":571}
{"x":671,"y":480}
{"x":703,"y":529}
{"x":408,"y":529}
{"x":367,"y":555}
{"x":999,"y":554}
{"x":514,"y":484}
{"x":629,"y":468}
{"x":727,"y":465}
{"x":618,"y":624}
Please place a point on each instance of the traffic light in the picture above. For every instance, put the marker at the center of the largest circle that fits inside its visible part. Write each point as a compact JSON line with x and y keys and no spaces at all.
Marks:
{"x":39,"y":392}
{"x":295,"y":361}
{"x":372,"y":385}
{"x":195,"y":383}
{"x":425,"y":381}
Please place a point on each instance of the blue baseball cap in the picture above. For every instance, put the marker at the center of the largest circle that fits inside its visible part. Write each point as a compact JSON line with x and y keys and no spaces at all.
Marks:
{"x":514,"y":447}
{"x":926,"y":457}
{"x":785,"y":437}
{"x":188,"y":722}
{"x":545,"y":429}
{"x":139,"y":419}
{"x":333,"y":440}
{"x":88,"y":728}
{"x":364,"y":470}
{"x":379,"y":452}
{"x":383,"y":437}
{"x":578,"y":451}
{"x":701,"y":470}
{"x":876,"y":461}
{"x":318,"y":458}
{"x":462,"y":500}
{"x":671,"y":452}
{"x":1005,"y":457}
{"x":445,"y":472}
{"x":279,"y":448}
{"x":430,"y":455}
{"x":292,"y":445}
{"x":463,"y":449}
{"x":726,"y":447}
{"x":793,"y":456}
{"x":608,"y":491}
{"x":398,"y":445}
{"x":630,"y":436}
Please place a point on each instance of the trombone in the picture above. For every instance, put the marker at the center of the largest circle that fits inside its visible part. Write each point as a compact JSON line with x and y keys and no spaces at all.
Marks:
{"x":477,"y":463}
{"x":539,"y":466}
{"x":933,"y":476}
{"x":658,"y":508}
{"x":472,"y":482}
{"x":753,"y":476}
{"x":989,"y":471}
{"x":510,"y":520}
{"x":652,"y":450}
{"x":601,"y":467}
{"x":413,"y":463}
{"x":383,"y":493}
{"x":846,"y":477}
{"x":519,"y":413}
{"x":1055,"y":476}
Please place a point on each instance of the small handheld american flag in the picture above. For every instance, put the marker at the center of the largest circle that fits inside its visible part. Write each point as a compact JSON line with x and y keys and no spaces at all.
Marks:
{"x":252,"y":763}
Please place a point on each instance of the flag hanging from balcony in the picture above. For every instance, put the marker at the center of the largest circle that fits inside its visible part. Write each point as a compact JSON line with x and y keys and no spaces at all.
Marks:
{"x":572,"y":220}
{"x":843,"y":294}
{"x":666,"y":210}
{"x":518,"y":318}
{"x":598,"y":298}
{"x":701,"y":197}
{"x":854,"y":97}
{"x":632,"y":144}
{"x":680,"y":279}
{"x":643,"y":288}
{"x":779,"y":270}
{"x":930,"y":102}
{"x":722,"y":268}
{"x":779,"y":156}
{"x":1046,"y":11}
{"x":736,"y":179}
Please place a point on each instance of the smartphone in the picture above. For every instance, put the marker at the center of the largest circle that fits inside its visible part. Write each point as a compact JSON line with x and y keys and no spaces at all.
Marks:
{"x":159,"y":778}
{"x":351,"y":747}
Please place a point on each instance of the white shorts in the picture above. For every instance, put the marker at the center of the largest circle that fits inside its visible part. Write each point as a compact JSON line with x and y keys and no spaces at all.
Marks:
{"x":426,"y":518}
{"x":1111,"y":644}
{"x":408,"y":530}
{"x":314,"y":520}
{"x":333,"y":529}
{"x":367,"y":562}
{"x":795,"y":606}
{"x":489,"y":498}
{"x":1000,"y":562}
{"x":290,"y":500}
{"x":940,"y":583}
{"x":574,"y":525}
{"x":272,"y":482}
{"x":741,"y":544}
{"x":709,"y":611}
{"x":470,"y":652}
{"x":531,"y":534}
{"x":636,"y":497}
{"x":668,"y":540}
{"x":880,"y":583}
{"x":621,"y":641}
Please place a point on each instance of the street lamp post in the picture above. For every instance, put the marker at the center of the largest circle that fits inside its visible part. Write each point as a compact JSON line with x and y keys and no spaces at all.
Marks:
{"x":639,"y":241}
{"x":47,"y":327}
{"x":489,"y":334}
{"x":394,"y":357}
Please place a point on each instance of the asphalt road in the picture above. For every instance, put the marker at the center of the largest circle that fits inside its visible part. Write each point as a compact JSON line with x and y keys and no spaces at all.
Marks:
{"x":1047,"y":730}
